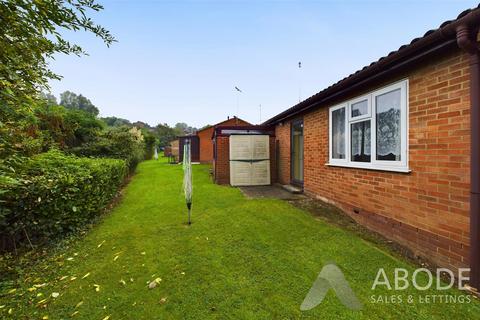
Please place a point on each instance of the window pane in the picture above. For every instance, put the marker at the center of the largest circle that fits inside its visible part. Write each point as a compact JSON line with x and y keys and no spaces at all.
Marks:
{"x":338,"y":134}
{"x":359,"y":108}
{"x":388,"y":126}
{"x":361,"y":134}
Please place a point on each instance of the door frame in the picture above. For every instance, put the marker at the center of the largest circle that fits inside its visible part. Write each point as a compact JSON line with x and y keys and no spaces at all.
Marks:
{"x":292,"y":180}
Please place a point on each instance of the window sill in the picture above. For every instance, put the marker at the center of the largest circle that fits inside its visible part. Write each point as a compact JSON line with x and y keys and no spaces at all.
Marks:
{"x":370,"y":167}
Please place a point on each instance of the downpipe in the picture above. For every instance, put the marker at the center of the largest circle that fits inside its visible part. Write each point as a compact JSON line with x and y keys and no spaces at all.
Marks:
{"x":467,"y":41}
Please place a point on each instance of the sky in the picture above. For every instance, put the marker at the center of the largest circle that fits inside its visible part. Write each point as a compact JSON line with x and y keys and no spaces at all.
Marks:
{"x":180,"y":61}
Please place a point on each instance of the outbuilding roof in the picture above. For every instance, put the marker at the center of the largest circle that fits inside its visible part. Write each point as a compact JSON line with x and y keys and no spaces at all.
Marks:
{"x":433,"y":41}
{"x":222,"y":122}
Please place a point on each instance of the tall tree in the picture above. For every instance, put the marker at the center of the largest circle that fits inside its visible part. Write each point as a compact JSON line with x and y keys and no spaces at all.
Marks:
{"x":71,"y":100}
{"x":165,"y":134}
{"x":49,"y":98}
{"x":182,"y":128}
{"x":30,"y":35}
{"x":116,"y":122}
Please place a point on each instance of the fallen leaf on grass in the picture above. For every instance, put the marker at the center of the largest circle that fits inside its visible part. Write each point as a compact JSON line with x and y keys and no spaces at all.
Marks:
{"x":101,"y":244}
{"x":2,"y":306}
{"x":45,"y":318}
{"x":116,"y":257}
{"x":73,"y":278}
{"x":42,"y":301}
{"x":122,"y":282}
{"x":31,"y":289}
{"x":106,"y":318}
{"x":10,"y":311}
{"x":154,"y":283}
{"x":55,"y":294}
{"x":12,"y":291}
{"x":74,"y":314}
{"x":163,"y":300}
{"x":79,"y":304}
{"x":97,"y":287}
{"x":70,"y":259}
{"x":182,"y":273}
{"x":63,"y":278}
{"x":143,"y":253}
{"x":86,"y":275}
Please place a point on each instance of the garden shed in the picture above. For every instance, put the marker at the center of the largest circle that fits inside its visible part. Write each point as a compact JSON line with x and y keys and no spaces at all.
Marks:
{"x":244,"y":155}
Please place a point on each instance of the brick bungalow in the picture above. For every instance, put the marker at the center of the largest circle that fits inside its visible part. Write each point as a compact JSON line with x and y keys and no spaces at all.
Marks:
{"x":205,"y":135}
{"x":392,"y":144}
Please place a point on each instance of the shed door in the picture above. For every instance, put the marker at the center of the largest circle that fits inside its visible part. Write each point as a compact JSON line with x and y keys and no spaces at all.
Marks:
{"x":249,"y":160}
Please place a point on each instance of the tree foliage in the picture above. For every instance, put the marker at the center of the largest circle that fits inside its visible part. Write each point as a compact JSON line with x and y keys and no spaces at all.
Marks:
{"x":116,"y":122}
{"x":71,"y":100}
{"x":165,"y":134}
{"x":66,"y":128}
{"x":30,"y":35}
{"x":117,"y":142}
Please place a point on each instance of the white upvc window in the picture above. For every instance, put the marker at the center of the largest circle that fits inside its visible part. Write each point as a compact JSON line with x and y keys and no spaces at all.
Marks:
{"x":370,"y":131}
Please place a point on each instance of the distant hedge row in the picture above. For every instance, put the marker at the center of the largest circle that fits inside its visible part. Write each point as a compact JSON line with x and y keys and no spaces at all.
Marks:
{"x":52,"y":194}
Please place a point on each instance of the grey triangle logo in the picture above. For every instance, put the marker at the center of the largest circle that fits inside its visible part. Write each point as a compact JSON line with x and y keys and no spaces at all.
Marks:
{"x":331,"y":277}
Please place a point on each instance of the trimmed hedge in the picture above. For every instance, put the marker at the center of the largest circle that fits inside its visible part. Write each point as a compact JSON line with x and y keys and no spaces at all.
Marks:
{"x":53,"y":194}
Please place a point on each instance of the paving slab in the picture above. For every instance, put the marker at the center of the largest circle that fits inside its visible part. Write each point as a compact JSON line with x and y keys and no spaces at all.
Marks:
{"x":272,"y":192}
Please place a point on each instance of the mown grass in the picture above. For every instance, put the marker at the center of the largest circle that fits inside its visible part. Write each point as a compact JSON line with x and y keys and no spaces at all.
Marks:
{"x":240,"y":259}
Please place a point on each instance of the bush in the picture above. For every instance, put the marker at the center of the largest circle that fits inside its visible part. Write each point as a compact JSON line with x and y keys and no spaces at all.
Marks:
{"x":118,"y":143}
{"x":67,"y":127}
{"x":150,"y":142}
{"x":52,"y":194}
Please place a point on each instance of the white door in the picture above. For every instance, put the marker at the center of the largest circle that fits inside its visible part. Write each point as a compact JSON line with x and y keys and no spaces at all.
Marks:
{"x":249,"y":160}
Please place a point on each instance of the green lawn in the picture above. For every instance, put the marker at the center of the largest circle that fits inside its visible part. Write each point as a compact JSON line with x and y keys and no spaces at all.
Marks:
{"x":240,"y":259}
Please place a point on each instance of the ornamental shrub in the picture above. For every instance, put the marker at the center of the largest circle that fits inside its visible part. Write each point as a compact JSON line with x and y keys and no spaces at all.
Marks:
{"x":52,"y":194}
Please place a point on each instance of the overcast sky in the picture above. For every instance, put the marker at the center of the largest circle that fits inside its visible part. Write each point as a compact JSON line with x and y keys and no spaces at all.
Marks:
{"x":180,"y":61}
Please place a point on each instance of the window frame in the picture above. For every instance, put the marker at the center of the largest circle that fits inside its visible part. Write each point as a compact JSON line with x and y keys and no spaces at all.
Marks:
{"x":374,"y":164}
{"x":368,"y":115}
{"x":330,"y":135}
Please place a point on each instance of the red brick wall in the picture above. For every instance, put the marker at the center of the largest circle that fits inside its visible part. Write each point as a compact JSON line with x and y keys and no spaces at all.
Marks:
{"x":426,"y":210}
{"x":222,"y":162}
{"x":206,"y":143}
{"x":282,"y":134}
